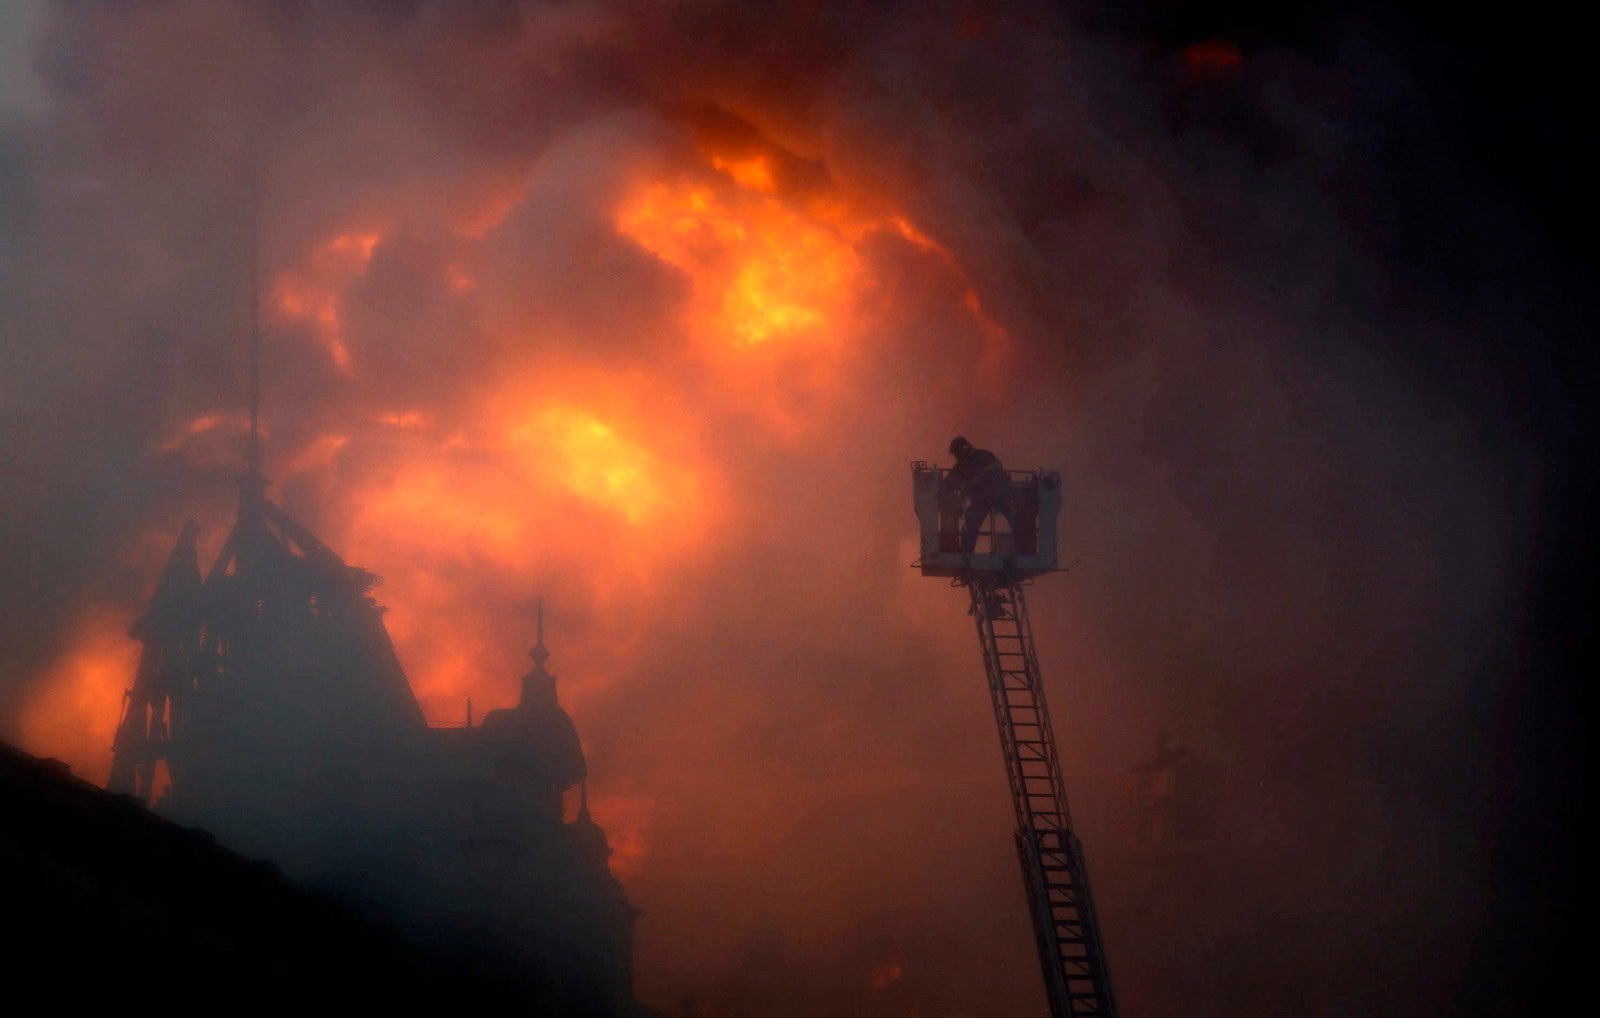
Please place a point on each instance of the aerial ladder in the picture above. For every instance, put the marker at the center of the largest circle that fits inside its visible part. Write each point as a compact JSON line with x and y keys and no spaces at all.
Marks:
{"x":996,"y":568}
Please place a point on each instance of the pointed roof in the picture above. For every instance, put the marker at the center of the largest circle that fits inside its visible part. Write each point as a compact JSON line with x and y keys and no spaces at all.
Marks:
{"x":180,"y":578}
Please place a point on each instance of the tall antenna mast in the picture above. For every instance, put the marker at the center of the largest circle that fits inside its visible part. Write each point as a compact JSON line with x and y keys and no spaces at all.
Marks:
{"x":254,"y":456}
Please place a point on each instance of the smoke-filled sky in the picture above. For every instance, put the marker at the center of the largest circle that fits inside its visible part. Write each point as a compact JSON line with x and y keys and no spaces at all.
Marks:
{"x":645,"y":308}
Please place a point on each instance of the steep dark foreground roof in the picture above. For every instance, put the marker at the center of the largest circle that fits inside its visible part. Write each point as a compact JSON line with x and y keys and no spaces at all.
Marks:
{"x":106,"y":903}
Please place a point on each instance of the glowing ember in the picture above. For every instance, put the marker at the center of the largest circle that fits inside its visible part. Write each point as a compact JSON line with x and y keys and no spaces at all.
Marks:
{"x":886,"y":972}
{"x":460,"y":281}
{"x":1213,"y":55}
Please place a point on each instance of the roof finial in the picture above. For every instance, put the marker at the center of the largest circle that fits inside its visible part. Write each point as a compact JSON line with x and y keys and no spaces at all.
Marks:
{"x":538,"y":653}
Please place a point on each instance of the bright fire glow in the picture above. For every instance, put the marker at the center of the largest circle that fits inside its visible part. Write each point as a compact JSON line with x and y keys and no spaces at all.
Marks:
{"x":780,"y":281}
{"x":75,"y":711}
{"x":557,"y":468}
{"x":495,"y":490}
{"x":761,"y":270}
{"x":754,"y":174}
{"x":577,"y":474}
{"x":599,"y":465}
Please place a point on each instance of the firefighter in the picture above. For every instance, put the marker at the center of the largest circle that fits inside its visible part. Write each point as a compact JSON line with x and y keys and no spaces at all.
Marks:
{"x":979,"y":479}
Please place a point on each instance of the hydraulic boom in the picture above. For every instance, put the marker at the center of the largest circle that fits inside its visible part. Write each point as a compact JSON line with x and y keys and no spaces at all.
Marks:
{"x":994,"y":568}
{"x":1054,"y":873}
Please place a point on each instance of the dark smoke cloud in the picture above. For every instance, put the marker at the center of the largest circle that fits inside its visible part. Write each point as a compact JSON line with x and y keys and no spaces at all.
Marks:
{"x":1305,"y":502}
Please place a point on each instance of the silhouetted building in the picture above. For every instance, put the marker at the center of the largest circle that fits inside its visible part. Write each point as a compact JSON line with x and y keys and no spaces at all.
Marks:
{"x":110,"y":905}
{"x":270,"y":709}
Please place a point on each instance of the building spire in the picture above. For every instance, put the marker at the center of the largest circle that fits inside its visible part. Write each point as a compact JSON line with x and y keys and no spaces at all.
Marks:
{"x":538,"y":653}
{"x":539,"y":686}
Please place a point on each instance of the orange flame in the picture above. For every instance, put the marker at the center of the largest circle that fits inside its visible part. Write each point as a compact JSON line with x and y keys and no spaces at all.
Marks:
{"x":576,"y":473}
{"x":761,"y":271}
{"x":777,"y":280}
{"x":753,"y":174}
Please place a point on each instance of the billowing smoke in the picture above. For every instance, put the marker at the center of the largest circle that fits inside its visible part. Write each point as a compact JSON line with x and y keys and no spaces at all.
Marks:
{"x":645,"y":308}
